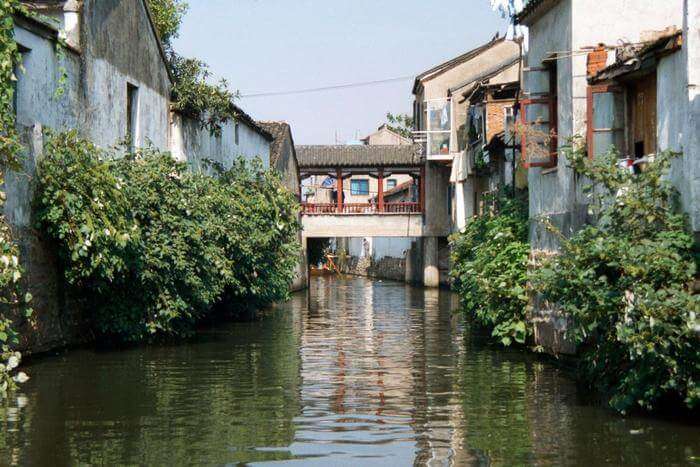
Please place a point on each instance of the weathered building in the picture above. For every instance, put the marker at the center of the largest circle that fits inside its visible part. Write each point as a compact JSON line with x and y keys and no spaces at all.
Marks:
{"x":112,"y":83}
{"x":618,"y":73}
{"x":487,"y":162}
{"x":241,"y":137}
{"x":440,"y":114}
{"x":385,"y":136}
{"x":98,"y":85}
{"x":283,"y":159}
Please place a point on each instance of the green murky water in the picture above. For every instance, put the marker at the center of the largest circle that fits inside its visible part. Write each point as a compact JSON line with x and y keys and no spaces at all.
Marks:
{"x":354,"y":373}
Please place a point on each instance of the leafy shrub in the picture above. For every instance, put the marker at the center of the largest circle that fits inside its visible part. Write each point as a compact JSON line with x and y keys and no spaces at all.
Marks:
{"x":624,"y":282}
{"x":10,"y":270}
{"x":195,"y":97}
{"x":490,"y":268}
{"x":82,"y":204}
{"x":167,"y":17}
{"x":181,"y":242}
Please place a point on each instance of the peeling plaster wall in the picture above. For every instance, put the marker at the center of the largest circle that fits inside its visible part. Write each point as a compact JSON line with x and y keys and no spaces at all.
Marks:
{"x":193,"y":144}
{"x":557,"y":194}
{"x":110,"y":30}
{"x":94,"y":102}
{"x":571,"y":25}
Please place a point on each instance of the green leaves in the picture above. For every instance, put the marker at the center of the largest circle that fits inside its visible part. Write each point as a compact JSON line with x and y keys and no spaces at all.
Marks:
{"x":154,"y":247}
{"x":624,"y":284}
{"x":10,"y":269}
{"x":490,"y":268}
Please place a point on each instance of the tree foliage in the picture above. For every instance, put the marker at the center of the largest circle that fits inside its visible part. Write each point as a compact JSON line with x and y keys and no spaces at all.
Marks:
{"x":195,"y":97}
{"x":490,"y":268}
{"x":167,"y":17}
{"x":624,"y":283}
{"x":185,"y":241}
{"x":401,"y":124}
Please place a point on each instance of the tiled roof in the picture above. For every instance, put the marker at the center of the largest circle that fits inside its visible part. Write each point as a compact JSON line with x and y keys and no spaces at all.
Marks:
{"x":358,"y":156}
{"x":248,"y":120}
{"x":279,"y":131}
{"x":532,"y":7}
{"x":450,"y":64}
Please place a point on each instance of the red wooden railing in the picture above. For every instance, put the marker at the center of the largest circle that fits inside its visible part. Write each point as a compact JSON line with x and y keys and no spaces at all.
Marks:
{"x":319,"y":208}
{"x":404,"y":207}
{"x":360,"y":208}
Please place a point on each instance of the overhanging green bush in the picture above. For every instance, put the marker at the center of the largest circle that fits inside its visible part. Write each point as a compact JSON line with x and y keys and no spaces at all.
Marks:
{"x":156,"y":247}
{"x":490,"y":268}
{"x":10,"y":147}
{"x":624,"y":282}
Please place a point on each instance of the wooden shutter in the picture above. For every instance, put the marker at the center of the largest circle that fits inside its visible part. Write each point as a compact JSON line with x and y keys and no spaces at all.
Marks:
{"x":538,"y":119}
{"x":606,"y":119}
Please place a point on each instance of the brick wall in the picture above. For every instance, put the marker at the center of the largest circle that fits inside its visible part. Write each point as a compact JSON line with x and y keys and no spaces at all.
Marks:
{"x":495,"y":117}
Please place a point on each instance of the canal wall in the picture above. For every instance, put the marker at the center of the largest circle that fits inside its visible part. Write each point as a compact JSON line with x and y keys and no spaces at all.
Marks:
{"x":398,"y":259}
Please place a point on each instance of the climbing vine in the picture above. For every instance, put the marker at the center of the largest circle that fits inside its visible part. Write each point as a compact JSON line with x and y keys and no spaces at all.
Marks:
{"x":10,"y":270}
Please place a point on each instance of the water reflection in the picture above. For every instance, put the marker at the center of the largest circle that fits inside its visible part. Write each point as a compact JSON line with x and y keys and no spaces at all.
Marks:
{"x":355,"y":373}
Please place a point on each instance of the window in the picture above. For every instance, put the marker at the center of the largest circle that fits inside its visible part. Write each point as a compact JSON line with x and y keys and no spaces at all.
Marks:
{"x":643,"y":119}
{"x":623,"y":116}
{"x":606,"y":119}
{"x":235,"y":133}
{"x":132,"y":115}
{"x":390,"y":183}
{"x":538,"y":117}
{"x":439,"y":120}
{"x":359,"y":187}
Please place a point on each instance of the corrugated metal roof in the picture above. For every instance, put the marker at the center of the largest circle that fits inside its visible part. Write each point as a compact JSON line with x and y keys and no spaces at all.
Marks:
{"x":322,"y":156}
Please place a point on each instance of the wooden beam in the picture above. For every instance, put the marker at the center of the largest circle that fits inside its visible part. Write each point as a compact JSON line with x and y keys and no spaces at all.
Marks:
{"x":339,"y":188}
{"x":380,"y":190}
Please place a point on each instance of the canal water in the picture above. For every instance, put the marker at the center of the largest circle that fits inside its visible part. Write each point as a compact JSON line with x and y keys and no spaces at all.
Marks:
{"x":353,"y":373}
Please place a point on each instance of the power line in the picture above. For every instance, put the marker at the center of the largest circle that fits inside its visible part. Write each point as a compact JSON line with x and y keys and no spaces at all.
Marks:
{"x":328,"y":88}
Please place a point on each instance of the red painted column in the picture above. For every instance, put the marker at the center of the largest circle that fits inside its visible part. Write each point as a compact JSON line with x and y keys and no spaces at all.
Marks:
{"x":421,"y":189}
{"x":339,"y":188}
{"x":380,"y":190}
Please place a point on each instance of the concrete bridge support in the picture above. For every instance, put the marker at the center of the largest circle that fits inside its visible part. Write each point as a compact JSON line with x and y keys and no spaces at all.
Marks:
{"x":431,"y":269}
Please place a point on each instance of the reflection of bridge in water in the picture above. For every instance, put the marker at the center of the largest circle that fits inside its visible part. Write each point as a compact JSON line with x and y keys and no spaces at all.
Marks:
{"x":354,"y":191}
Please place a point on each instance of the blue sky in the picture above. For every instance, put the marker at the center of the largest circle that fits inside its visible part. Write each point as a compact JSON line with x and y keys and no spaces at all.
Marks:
{"x":279,"y":45}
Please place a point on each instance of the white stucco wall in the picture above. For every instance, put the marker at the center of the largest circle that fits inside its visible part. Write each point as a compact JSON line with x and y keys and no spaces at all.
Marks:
{"x":571,"y":26}
{"x":191,"y":143}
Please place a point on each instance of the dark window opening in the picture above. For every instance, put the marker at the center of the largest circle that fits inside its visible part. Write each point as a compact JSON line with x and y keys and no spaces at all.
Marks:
{"x":132,"y":113}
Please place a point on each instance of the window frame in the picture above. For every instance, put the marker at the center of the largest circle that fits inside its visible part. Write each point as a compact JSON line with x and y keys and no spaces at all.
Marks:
{"x":391,"y":183}
{"x":552,"y":125}
{"x":359,"y":192}
{"x":550,"y":97}
{"x":606,"y":88}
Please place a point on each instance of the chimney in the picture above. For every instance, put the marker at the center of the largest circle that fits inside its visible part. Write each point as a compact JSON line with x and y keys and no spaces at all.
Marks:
{"x":597,"y":60}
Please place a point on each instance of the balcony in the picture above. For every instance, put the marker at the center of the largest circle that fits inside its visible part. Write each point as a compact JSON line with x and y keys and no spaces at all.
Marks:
{"x":360,"y":208}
